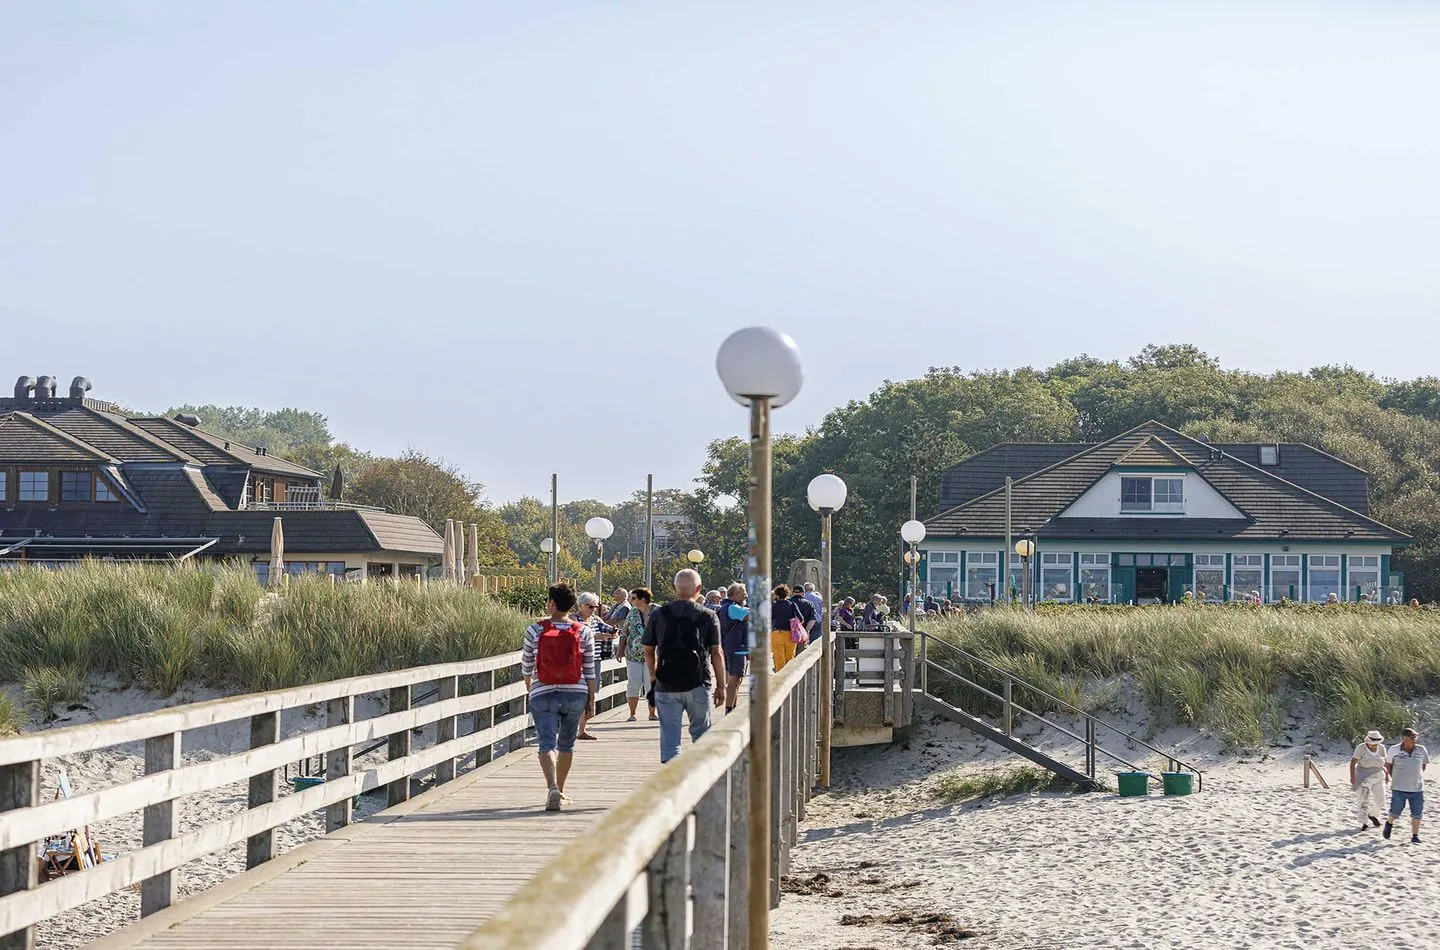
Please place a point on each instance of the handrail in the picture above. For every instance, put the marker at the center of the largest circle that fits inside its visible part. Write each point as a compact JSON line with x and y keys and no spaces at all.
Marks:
{"x":631,"y":867}
{"x":1091,"y":746}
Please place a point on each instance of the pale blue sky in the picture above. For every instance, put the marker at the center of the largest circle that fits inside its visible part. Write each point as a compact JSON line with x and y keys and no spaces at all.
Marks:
{"x":514,"y":234}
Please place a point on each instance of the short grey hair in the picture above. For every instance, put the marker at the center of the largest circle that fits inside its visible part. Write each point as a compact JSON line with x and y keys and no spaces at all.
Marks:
{"x":735,"y":590}
{"x":690,"y":577}
{"x":588,"y":599}
{"x":621,"y":594}
{"x":809,"y":587}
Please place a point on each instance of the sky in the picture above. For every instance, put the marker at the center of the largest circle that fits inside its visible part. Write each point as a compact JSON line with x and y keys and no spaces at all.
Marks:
{"x":514,"y":235}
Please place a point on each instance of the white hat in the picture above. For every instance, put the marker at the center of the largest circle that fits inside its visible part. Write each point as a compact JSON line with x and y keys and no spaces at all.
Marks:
{"x":1374,"y":736}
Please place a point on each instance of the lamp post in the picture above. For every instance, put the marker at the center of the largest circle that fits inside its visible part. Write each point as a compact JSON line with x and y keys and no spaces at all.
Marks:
{"x":694,"y":556}
{"x":912,"y":533}
{"x":547,"y":548}
{"x":760,"y":368}
{"x":599,"y":529}
{"x":1025,"y":548}
{"x":826,"y":494}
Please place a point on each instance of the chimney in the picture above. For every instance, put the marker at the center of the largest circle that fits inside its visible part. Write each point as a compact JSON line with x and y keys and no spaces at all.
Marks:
{"x":79,"y":386}
{"x":45,"y":388}
{"x":188,"y":419}
{"x":23,"y":386}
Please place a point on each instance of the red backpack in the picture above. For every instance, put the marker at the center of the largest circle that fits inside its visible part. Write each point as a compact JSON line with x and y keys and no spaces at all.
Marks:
{"x":559,"y":660}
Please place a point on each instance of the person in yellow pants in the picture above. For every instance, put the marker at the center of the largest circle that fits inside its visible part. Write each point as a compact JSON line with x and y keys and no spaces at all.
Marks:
{"x":782,"y":648}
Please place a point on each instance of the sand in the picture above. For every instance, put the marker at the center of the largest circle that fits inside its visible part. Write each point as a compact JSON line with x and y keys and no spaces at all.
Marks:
{"x":1255,"y":860}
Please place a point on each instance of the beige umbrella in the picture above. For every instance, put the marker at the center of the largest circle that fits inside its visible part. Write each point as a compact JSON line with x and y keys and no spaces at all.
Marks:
{"x":448,"y":562}
{"x":277,"y":553}
{"x":474,"y":562}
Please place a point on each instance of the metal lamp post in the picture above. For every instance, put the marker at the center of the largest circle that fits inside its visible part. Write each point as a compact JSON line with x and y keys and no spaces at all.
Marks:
{"x":1026,"y":549}
{"x":547,"y":548}
{"x":760,"y":368}
{"x":912,"y":533}
{"x":826,"y":494}
{"x":599,"y":529}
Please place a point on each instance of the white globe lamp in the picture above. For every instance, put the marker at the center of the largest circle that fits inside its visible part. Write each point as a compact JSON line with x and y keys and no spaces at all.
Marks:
{"x":760,"y":362}
{"x":826,"y":492}
{"x":913,"y":532}
{"x":599,"y":528}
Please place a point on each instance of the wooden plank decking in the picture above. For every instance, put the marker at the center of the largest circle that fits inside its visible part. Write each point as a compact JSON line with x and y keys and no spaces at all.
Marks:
{"x":419,"y":876}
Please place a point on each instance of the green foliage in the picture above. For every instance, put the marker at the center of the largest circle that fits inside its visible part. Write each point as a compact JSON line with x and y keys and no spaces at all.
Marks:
{"x":956,"y":787}
{"x":48,"y":687}
{"x":12,"y":715}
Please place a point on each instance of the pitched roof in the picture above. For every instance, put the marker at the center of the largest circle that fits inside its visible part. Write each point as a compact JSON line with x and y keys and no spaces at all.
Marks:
{"x":217,"y":450}
{"x":985,"y":471}
{"x":25,"y":439}
{"x":1272,"y":504}
{"x":1151,"y":452}
{"x":112,"y":434}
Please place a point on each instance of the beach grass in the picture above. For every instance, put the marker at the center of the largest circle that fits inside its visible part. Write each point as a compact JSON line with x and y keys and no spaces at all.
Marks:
{"x":12,"y":715}
{"x":1235,"y":669}
{"x":159,"y":627}
{"x":963,"y":786}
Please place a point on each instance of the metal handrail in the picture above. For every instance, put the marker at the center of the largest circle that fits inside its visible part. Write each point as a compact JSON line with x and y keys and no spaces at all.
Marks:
{"x":1175,"y":763}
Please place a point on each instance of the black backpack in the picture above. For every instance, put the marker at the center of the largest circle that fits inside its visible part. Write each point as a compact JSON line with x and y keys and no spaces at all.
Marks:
{"x":680,"y":659}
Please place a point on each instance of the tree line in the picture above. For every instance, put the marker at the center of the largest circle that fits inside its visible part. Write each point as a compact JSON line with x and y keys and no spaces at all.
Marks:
{"x":919,"y":427}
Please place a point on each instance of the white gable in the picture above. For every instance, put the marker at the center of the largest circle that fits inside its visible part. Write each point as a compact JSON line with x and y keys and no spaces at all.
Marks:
{"x":1103,"y":499}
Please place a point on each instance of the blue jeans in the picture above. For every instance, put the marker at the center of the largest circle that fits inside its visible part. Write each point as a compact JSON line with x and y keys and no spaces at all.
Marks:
{"x":694,"y":703}
{"x":1397,"y":803}
{"x":557,"y":718}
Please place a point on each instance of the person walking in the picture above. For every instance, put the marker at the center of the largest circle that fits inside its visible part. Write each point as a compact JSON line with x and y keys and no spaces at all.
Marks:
{"x":560,"y":668}
{"x":637,"y":674}
{"x":683,"y":655}
{"x":809,"y":616}
{"x":735,"y":641}
{"x":1406,"y":765}
{"x":619,"y":608}
{"x":1367,"y":778}
{"x":812,"y":596}
{"x":783,"y":642}
{"x":605,"y":645}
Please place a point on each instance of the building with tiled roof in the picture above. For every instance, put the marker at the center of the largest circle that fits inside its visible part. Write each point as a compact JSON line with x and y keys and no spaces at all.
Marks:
{"x":81,"y":478}
{"x":1153,"y":515}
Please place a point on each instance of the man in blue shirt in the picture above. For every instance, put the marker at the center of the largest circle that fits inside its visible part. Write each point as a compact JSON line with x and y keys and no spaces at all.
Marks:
{"x":735,"y":640}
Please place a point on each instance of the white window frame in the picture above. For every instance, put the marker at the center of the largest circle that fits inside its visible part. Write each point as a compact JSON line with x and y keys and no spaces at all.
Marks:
{"x":1154,"y":507}
{"x":1366,"y":565}
{"x":1287,"y":563}
{"x":1327,"y":563}
{"x":1055,"y":563}
{"x":1094,"y":564}
{"x":1247,"y":563}
{"x":982,"y":563}
{"x":944,"y":561}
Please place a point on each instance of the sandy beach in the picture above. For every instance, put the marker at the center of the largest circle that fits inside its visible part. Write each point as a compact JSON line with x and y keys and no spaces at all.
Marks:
{"x":1255,"y":860}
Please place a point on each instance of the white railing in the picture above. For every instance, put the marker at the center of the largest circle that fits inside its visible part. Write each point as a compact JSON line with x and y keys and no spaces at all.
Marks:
{"x":672,"y":859}
{"x":323,"y":504}
{"x":489,"y":693}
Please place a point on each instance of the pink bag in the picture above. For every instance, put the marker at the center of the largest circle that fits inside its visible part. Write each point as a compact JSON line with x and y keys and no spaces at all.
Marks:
{"x":797,"y":631}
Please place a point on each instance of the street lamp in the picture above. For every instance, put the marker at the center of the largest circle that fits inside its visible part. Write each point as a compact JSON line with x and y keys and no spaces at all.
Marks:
{"x":599,"y":529}
{"x":1025,"y":548}
{"x":760,"y":368}
{"x":912,"y":533}
{"x":694,"y":556}
{"x":547,"y":548}
{"x":826,"y":494}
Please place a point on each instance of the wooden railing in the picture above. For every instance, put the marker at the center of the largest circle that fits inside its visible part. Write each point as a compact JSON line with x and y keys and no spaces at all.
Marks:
{"x":672,"y":859}
{"x":487,"y":696}
{"x":882,"y":659}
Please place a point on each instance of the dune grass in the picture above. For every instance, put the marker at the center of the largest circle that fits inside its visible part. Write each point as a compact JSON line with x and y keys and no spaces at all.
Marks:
{"x":158,"y":627}
{"x":956,"y":787}
{"x":12,"y":715}
{"x":1237,"y":670}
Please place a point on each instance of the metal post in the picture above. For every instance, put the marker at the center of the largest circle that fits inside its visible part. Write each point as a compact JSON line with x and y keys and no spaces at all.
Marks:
{"x":554,"y":529}
{"x":649,"y":530}
{"x":1009,"y":708}
{"x":827,"y":691}
{"x":914,"y":586}
{"x":758,"y":578}
{"x":1009,"y":543}
{"x":1089,"y":746}
{"x":600,"y":574}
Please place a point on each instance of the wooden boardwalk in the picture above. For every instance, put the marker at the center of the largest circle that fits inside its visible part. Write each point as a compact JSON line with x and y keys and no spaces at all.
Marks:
{"x":420,"y":876}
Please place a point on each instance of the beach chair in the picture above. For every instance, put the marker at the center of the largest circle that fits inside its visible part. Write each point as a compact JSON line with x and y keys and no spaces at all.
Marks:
{"x":73,"y":850}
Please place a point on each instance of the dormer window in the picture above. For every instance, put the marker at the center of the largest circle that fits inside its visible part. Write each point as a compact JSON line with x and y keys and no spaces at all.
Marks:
{"x":85,"y":487}
{"x":34,"y":486}
{"x":1152,"y":495}
{"x":1270,"y":455}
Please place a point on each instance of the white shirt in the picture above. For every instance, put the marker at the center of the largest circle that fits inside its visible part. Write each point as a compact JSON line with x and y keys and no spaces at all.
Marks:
{"x":1406,"y":768}
{"x":1368,"y":758}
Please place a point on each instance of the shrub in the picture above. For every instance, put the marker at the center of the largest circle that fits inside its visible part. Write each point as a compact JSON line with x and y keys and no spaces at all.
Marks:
{"x":957,"y":787}
{"x":48,"y":687}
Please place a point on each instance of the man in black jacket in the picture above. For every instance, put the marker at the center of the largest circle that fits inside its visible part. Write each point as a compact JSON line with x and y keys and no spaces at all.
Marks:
{"x":682,"y":652}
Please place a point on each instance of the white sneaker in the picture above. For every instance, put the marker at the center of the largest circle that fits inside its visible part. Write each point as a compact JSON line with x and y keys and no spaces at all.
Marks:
{"x":552,"y":801}
{"x":631,"y":719}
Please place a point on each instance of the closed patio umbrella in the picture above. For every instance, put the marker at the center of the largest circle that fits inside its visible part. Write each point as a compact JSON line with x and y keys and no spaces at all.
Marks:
{"x":277,"y":553}
{"x":337,"y":484}
{"x":448,"y":564}
{"x":473,"y":563}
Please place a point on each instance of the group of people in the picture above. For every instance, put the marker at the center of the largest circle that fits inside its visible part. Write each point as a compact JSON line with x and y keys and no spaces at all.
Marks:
{"x":1403,"y":765}
{"x":683,"y":658}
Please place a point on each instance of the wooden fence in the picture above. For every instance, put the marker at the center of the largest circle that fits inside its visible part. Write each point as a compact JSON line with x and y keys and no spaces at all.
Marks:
{"x":673,"y":858}
{"x":486,"y":696}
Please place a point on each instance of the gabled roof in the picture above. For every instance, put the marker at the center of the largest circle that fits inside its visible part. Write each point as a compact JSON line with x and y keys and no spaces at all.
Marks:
{"x":25,"y":439}
{"x":985,"y":471}
{"x":1272,"y":504}
{"x":1151,"y":452}
{"x":217,"y":450}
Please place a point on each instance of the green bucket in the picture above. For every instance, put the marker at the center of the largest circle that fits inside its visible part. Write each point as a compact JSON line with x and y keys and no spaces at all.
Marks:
{"x":302,"y":782}
{"x":1178,"y":783}
{"x":1134,"y":783}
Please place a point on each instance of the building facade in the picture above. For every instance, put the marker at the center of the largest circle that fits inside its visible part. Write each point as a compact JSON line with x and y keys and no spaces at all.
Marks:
{"x":1154,"y":516}
{"x":80,"y":478}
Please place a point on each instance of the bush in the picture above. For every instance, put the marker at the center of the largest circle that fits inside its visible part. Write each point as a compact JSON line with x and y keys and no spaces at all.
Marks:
{"x":48,"y":687}
{"x":1020,"y":780}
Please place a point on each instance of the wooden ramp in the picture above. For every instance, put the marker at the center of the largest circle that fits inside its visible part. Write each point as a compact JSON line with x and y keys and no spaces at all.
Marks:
{"x":418,"y":876}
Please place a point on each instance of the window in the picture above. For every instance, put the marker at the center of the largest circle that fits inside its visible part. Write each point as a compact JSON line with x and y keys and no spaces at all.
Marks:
{"x":34,"y":486}
{"x":982,"y":569}
{"x":76,"y":486}
{"x":1209,"y":577}
{"x":944,"y":574}
{"x":4,"y":486}
{"x":1285,"y":577}
{"x":1324,"y":577}
{"x":1055,"y":577}
{"x":1364,"y":578}
{"x":1247,"y":574}
{"x":1269,"y":455}
{"x":1169,"y":494}
{"x":297,"y":568}
{"x":1134,"y":494}
{"x":1094,"y":578}
{"x":103,"y":492}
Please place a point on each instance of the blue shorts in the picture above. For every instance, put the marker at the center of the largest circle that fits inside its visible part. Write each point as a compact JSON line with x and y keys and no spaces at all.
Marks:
{"x":557,"y":718}
{"x":735,"y":663}
{"x":1398,"y":800}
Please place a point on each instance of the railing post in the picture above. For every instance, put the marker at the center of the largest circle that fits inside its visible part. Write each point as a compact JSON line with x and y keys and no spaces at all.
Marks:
{"x":669,"y":873}
{"x":446,"y":727}
{"x":924,"y":663}
{"x":484,"y":718}
{"x":737,"y":909}
{"x":337,"y":763}
{"x":838,"y":687}
{"x":1090,"y":746}
{"x":264,"y":788}
{"x":777,"y":802}
{"x":907,"y":663}
{"x":19,"y":866}
{"x":1009,"y":707}
{"x":889,"y":699}
{"x":799,"y":758}
{"x":161,"y":823}
{"x":399,"y":789}
{"x":709,"y":870}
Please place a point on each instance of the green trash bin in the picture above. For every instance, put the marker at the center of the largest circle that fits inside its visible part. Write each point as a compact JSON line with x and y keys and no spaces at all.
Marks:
{"x":1134,"y":783}
{"x":1178,"y":783}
